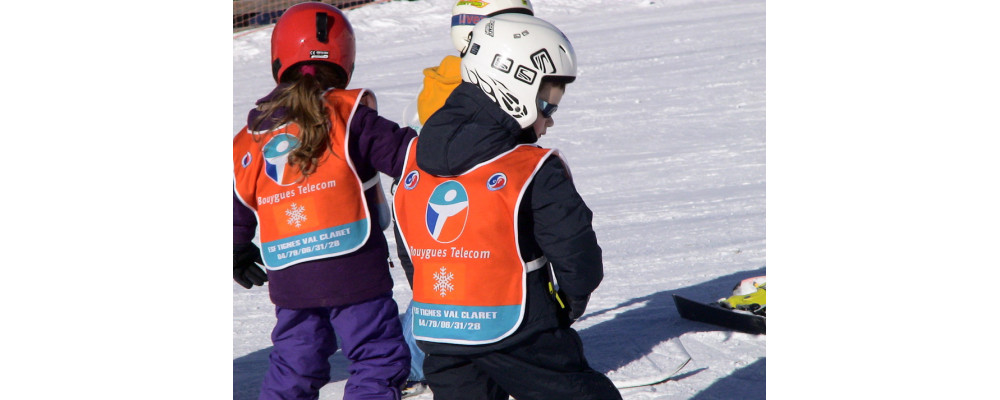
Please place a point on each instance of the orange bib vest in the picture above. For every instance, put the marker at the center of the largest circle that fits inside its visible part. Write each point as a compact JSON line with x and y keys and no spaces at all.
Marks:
{"x":324,"y":215}
{"x":461,"y":235}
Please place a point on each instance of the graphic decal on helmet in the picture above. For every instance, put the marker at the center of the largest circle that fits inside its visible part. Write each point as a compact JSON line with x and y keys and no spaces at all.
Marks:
{"x":466,"y":19}
{"x":477,"y":4}
{"x":500,"y":94}
{"x":525,"y":74}
{"x":489,"y":28}
{"x":543,"y":62}
{"x":502,"y":63}
{"x":465,"y":14}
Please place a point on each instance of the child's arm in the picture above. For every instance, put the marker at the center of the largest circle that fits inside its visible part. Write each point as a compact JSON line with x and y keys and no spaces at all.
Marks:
{"x":564,"y":231}
{"x":244,"y":222}
{"x":381,"y":142}
{"x":246,"y":255}
{"x":404,"y":257}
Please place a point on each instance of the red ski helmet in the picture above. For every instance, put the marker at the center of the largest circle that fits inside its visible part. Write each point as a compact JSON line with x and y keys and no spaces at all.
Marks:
{"x":314,"y":32}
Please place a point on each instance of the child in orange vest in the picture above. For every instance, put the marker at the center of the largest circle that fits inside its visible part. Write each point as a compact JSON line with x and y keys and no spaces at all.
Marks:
{"x":501,"y":245}
{"x":306,"y":176}
{"x":437,"y":86}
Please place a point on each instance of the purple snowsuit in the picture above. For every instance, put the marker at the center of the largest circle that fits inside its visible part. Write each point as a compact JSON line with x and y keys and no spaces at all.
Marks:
{"x":349,"y":294}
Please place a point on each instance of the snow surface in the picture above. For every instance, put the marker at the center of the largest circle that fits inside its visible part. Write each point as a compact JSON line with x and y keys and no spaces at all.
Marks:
{"x":664,"y":130}
{"x":882,"y":138}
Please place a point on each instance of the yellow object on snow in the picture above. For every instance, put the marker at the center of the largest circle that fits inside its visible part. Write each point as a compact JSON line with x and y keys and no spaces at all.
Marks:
{"x":749,"y":295}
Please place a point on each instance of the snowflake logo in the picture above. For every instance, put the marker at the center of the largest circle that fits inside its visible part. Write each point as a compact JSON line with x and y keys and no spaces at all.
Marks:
{"x":443,"y":281}
{"x":296,"y":214}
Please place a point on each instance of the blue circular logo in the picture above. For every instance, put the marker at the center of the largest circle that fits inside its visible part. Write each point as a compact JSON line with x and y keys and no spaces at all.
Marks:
{"x":497,"y":181}
{"x":247,"y":158}
{"x":411,"y":180}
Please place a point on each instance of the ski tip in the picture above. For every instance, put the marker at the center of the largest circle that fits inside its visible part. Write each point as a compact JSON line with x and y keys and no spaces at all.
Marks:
{"x":713,"y":314}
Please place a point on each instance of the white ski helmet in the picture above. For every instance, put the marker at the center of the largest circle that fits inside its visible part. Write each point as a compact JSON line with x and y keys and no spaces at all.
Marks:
{"x":509,"y":56}
{"x":465,"y":14}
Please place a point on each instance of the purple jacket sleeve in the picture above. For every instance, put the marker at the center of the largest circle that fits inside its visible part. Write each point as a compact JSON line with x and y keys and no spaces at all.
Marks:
{"x":381,"y":142}
{"x":244,"y":222}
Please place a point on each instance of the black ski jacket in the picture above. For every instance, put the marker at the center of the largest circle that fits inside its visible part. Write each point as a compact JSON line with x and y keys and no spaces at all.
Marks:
{"x":554,"y":221}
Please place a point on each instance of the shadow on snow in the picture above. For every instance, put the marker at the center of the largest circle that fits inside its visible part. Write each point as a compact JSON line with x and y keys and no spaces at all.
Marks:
{"x":632,"y":334}
{"x":747,"y":383}
{"x":648,"y":325}
{"x":249,"y":370}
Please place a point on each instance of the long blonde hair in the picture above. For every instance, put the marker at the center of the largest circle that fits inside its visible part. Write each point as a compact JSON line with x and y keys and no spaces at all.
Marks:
{"x":301,"y":99}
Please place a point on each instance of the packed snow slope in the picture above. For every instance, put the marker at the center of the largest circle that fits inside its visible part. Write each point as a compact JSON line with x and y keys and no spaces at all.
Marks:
{"x":664,"y":132}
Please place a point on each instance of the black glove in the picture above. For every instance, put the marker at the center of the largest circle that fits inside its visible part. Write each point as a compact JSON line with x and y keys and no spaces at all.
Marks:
{"x":245,"y":269}
{"x":577,"y":305}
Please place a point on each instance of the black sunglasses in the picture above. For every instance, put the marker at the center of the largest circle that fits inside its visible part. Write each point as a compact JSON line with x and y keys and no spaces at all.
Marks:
{"x":546,"y":108}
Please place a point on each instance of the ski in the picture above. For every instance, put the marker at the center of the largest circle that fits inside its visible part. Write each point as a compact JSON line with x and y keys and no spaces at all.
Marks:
{"x":650,"y":381}
{"x":716,"y":315}
{"x":620,"y":383}
{"x":657,"y":365}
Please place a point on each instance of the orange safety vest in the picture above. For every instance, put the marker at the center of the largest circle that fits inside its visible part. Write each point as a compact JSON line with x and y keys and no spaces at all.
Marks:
{"x":324,"y":215}
{"x":461,"y":235}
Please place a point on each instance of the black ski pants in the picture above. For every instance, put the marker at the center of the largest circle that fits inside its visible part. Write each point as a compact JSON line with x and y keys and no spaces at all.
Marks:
{"x":547,"y":366}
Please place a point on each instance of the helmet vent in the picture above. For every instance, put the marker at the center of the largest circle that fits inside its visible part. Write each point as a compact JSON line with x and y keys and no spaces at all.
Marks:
{"x":275,"y":67}
{"x":322,"y":30}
